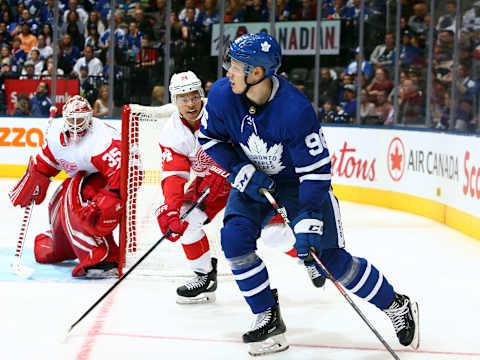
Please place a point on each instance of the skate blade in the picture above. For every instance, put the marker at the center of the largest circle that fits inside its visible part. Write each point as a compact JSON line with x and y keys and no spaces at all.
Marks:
{"x":204,"y":298}
{"x":415,"y":344}
{"x":271,"y":345}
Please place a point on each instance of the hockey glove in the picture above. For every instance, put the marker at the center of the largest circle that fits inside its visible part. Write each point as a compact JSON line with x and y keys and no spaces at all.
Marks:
{"x":216,"y":178}
{"x":308,"y":228}
{"x":102,"y":215}
{"x":32,"y":185}
{"x":170,"y":219}
{"x":248,"y":180}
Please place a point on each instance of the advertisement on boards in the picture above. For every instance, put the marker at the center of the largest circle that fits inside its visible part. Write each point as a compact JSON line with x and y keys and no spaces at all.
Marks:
{"x":294,"y":37}
{"x":65,"y":90}
{"x":436,"y":166}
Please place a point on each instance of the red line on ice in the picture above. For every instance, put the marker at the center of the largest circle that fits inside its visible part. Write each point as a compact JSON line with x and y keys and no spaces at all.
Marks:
{"x":95,"y":330}
{"x":178,"y":338}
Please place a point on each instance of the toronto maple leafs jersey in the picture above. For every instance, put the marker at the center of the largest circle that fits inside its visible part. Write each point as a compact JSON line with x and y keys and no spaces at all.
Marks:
{"x":282,"y":138}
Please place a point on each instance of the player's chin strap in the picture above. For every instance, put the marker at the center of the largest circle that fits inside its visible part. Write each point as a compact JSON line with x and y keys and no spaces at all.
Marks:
{"x":205,"y":193}
{"x":283,"y":213}
{"x":244,"y":93}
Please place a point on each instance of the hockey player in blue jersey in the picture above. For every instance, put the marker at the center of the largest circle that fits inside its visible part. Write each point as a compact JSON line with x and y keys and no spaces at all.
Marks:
{"x":265,"y":133}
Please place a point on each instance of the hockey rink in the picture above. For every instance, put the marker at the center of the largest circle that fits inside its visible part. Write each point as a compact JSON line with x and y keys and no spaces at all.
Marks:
{"x":433,"y":264}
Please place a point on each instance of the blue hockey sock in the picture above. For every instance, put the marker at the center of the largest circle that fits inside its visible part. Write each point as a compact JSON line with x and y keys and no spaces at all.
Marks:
{"x":366,"y":281}
{"x":253,"y":283}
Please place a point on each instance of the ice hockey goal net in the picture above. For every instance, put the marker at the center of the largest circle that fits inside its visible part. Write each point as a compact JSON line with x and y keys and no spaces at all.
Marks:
{"x":141,"y":171}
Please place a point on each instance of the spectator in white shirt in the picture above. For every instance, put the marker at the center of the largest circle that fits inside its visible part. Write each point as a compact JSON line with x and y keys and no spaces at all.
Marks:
{"x":37,"y":62}
{"x":95,"y":66}
{"x":45,"y":50}
{"x":73,"y":6}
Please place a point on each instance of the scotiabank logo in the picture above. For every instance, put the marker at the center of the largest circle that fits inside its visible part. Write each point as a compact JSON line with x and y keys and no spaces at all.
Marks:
{"x":472,"y":174}
{"x":396,"y":159}
{"x":21,"y":137}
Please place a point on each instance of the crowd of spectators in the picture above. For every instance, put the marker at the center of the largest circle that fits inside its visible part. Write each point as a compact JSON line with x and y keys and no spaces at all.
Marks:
{"x":339,"y":84}
{"x":26,"y":50}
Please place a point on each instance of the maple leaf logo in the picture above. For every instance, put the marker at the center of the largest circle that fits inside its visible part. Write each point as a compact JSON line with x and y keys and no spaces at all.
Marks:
{"x":396,"y":159}
{"x":265,"y":46}
{"x":268,"y":160}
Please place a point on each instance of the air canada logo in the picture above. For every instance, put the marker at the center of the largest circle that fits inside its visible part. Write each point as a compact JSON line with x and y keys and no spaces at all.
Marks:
{"x":396,"y":159}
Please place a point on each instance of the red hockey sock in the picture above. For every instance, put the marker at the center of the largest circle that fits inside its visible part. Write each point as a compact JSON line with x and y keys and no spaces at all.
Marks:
{"x":197,"y":249}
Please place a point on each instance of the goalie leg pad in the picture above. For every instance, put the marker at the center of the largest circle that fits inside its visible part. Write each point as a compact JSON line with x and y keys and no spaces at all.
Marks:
{"x":43,"y":249}
{"x":271,"y":345}
{"x":98,"y":258}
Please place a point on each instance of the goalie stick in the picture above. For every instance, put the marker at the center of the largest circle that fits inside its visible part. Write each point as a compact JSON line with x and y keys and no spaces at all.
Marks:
{"x":205,"y":193}
{"x":283,"y":213}
{"x":17,"y":265}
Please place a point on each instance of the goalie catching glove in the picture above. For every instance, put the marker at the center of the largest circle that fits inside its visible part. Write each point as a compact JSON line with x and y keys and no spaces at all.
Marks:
{"x":248,"y":180}
{"x":169,"y":219}
{"x":32,"y":185}
{"x":102,"y":214}
{"x":308,"y":228}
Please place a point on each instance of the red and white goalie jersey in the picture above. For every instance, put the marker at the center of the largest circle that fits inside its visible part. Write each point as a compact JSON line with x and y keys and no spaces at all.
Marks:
{"x":98,"y":151}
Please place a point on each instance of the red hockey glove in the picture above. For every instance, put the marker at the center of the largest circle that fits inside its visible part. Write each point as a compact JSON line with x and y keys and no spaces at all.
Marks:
{"x":32,"y":185}
{"x":216,"y":178}
{"x":102,"y":215}
{"x":170,"y":219}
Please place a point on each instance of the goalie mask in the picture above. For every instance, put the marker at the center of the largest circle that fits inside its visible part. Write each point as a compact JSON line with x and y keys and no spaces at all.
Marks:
{"x":77,"y":117}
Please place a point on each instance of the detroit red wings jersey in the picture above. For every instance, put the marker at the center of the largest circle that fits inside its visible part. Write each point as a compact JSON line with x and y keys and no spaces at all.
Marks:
{"x":97,"y":151}
{"x":181,"y":151}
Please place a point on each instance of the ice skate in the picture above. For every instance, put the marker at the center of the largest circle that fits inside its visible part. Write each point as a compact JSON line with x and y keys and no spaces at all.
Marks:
{"x":404,"y":315}
{"x":103,"y":270}
{"x":317,"y":279}
{"x":267,"y":333}
{"x":200,"y":289}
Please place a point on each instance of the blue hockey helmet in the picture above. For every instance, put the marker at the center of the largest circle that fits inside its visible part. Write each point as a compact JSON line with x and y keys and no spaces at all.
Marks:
{"x":259,"y":49}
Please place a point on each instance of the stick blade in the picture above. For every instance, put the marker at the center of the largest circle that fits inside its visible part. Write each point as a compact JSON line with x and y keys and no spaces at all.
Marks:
{"x":21,"y":270}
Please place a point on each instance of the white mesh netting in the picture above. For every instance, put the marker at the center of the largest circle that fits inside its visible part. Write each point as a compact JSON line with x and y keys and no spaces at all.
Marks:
{"x":141,"y":127}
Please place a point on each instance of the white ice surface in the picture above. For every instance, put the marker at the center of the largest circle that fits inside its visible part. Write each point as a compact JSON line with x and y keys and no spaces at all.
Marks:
{"x":433,"y":264}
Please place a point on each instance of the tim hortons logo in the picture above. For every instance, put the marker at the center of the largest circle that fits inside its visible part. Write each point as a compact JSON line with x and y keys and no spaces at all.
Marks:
{"x":396,"y":159}
{"x":348,"y":165}
{"x":472,"y":176}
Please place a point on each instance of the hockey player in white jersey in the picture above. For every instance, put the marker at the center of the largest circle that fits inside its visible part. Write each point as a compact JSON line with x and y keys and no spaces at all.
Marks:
{"x":182,"y":154}
{"x":86,"y":207}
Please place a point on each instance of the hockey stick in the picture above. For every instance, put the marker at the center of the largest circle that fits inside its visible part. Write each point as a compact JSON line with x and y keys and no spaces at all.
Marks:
{"x":283,"y":213}
{"x":18,"y":267}
{"x":205,"y":193}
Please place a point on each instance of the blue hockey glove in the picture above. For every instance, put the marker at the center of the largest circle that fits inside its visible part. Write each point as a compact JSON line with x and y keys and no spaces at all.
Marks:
{"x":248,"y":180}
{"x":308,"y":230}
